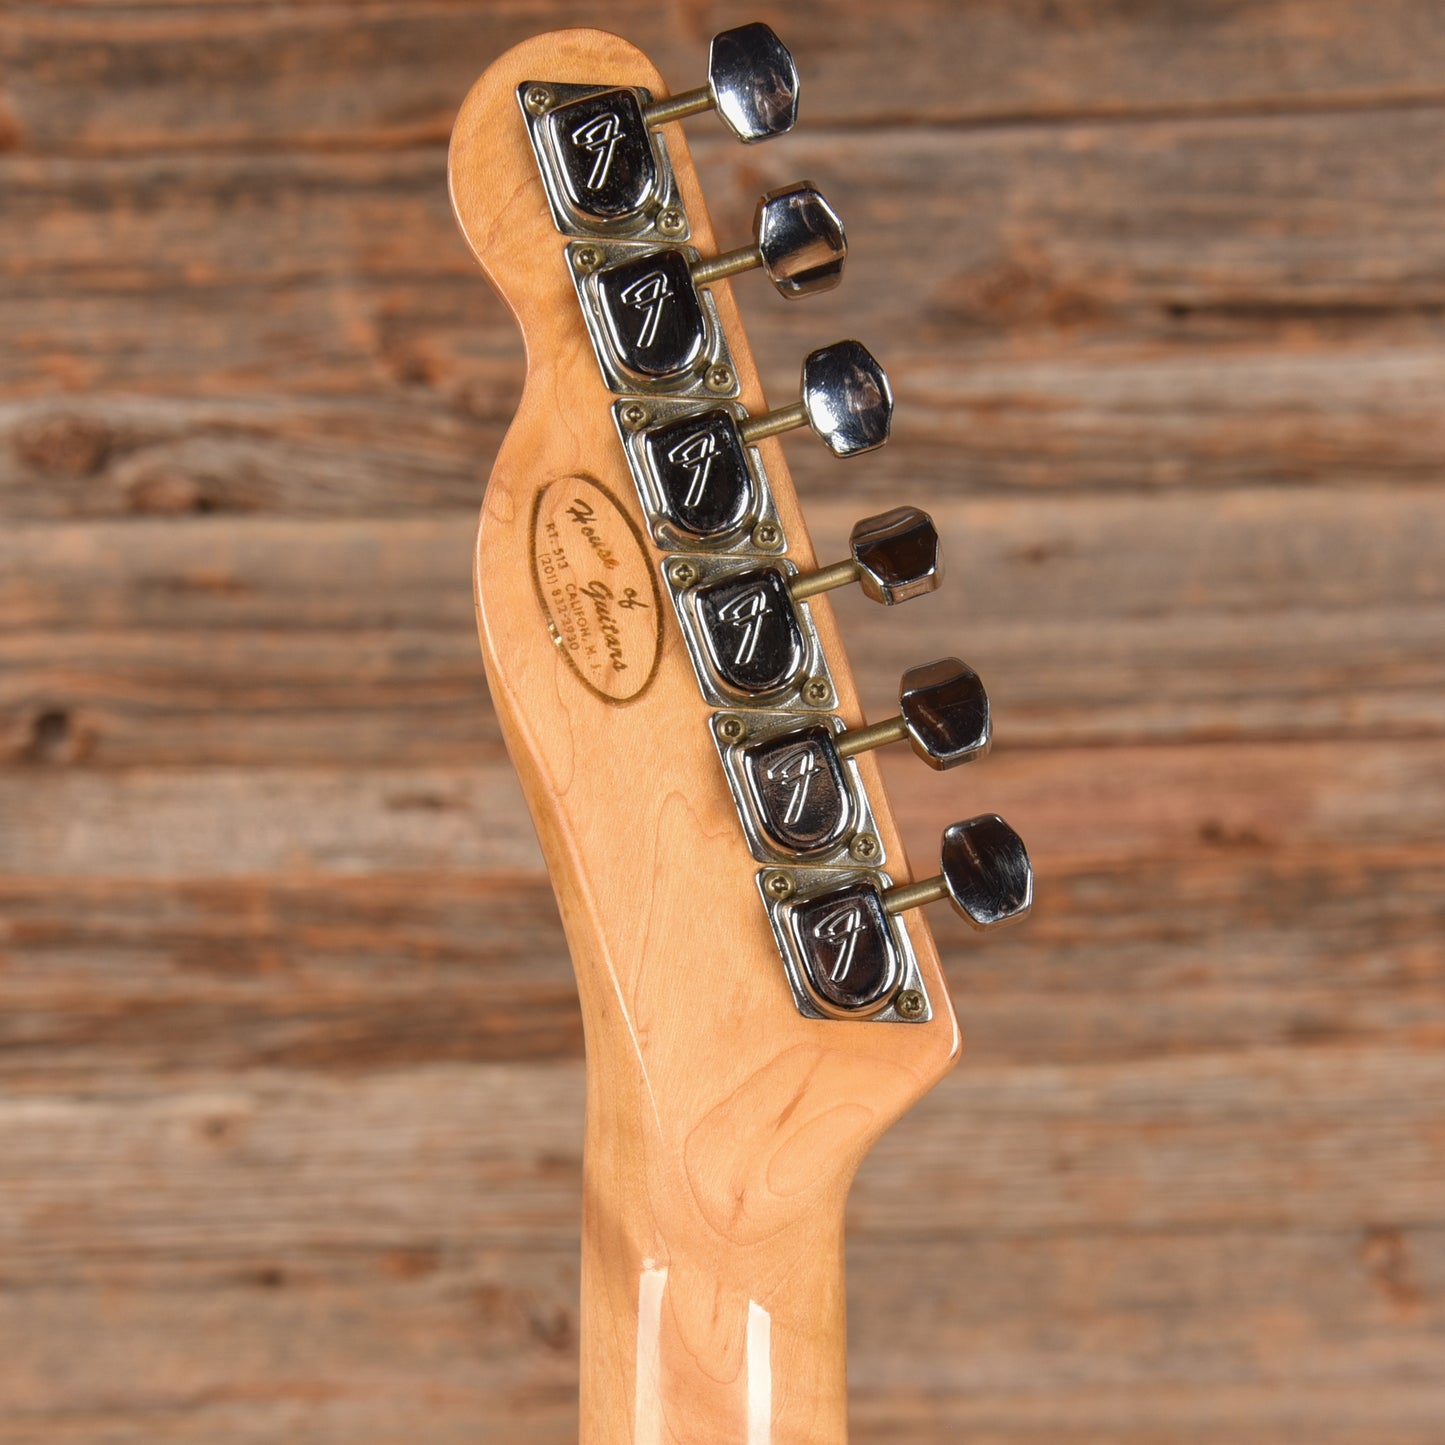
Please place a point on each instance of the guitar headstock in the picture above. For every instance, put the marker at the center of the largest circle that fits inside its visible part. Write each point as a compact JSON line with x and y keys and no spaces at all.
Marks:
{"x":760,"y":991}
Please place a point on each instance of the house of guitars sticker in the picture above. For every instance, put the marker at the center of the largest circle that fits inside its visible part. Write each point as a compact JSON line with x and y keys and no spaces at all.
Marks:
{"x":596,"y":584}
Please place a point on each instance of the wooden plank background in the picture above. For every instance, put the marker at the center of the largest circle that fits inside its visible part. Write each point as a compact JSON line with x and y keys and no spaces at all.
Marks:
{"x":290,"y":1083}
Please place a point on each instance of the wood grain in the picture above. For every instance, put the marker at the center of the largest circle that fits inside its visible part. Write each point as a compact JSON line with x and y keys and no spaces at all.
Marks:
{"x":290,"y":1077}
{"x":723,"y":1126}
{"x":182,"y":75}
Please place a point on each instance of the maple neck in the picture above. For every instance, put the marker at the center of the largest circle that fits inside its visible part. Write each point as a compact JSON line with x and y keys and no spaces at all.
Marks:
{"x":699,"y":1321}
{"x":761,"y":995}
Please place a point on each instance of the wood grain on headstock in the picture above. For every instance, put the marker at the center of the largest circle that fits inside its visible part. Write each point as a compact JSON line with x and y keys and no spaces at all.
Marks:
{"x":723,"y":1128}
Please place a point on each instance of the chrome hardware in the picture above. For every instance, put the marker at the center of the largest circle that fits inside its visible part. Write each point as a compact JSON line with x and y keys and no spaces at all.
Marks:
{"x":750,"y":632}
{"x":752,"y":83}
{"x":748,"y":642}
{"x":699,"y":485}
{"x":605,"y":167}
{"x":797,"y":786}
{"x":692,"y":449}
{"x":796,"y":795}
{"x":605,"y":158}
{"x":895,"y":557}
{"x":798,"y":240}
{"x":943,"y":714}
{"x":846,"y":400}
{"x":605,"y":172}
{"x":650,"y":301}
{"x":847,"y":947}
{"x":651,"y":314}
{"x":799,"y":794}
{"x":844,"y":955}
{"x":986,"y":876}
{"x":651,"y":328}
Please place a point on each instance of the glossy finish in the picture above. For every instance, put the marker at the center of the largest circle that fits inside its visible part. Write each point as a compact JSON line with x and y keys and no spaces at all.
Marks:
{"x":798,"y":791}
{"x":751,"y":632}
{"x":800,"y":240}
{"x":944,"y":706}
{"x":987,"y":871}
{"x":651,"y":315}
{"x":846,"y":943}
{"x":898,"y":555}
{"x":846,"y":398}
{"x":753,"y":82}
{"x":723,"y":1123}
{"x":604,"y":154}
{"x":701,"y":474}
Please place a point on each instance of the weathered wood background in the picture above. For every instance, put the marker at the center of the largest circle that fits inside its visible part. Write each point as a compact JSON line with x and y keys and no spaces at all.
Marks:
{"x":290,"y":1092}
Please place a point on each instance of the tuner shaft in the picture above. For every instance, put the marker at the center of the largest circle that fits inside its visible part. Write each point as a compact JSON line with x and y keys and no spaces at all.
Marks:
{"x":825,"y":579}
{"x":774,"y":423}
{"x":914,"y":895}
{"x":678,"y":107}
{"x":729,"y":263}
{"x":862,"y":740}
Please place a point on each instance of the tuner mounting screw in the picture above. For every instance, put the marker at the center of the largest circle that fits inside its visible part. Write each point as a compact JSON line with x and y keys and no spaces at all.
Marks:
{"x":587,"y":258}
{"x":682,"y":574}
{"x":634,"y":415}
{"x":720,"y":378}
{"x":864,"y":847}
{"x":910,"y":1004}
{"x":731,"y":729}
{"x":779,"y":886}
{"x":818,"y":692}
{"x":538,"y":99}
{"x":671,"y":221}
{"x":767,"y":535}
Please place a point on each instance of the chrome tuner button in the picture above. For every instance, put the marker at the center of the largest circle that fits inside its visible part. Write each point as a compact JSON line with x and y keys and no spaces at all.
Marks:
{"x":752,"y":83}
{"x":653,"y":316}
{"x":799,"y":793}
{"x":846,"y":400}
{"x":895,"y":557}
{"x":943,"y":715}
{"x":798,"y":241}
{"x":986,"y":876}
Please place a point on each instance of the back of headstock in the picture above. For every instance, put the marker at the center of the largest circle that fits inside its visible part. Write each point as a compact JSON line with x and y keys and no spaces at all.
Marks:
{"x":761,"y":995}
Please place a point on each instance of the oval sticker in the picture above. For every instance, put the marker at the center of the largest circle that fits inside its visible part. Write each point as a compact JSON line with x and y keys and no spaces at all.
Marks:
{"x":596,"y":584}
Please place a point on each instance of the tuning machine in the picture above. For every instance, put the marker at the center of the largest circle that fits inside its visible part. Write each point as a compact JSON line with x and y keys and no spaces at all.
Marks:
{"x":943,"y":715}
{"x":701,"y":481}
{"x":752,"y":83}
{"x":845,"y":956}
{"x":649,"y":309}
{"x":798,"y":241}
{"x":986,"y":875}
{"x":845,"y":399}
{"x":749,"y":639}
{"x":799,"y":795}
{"x":604,"y":164}
{"x":893,"y":557}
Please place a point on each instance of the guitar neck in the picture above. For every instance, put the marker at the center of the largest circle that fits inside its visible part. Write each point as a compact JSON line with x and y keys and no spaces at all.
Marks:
{"x":700,"y":1321}
{"x":760,"y":992}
